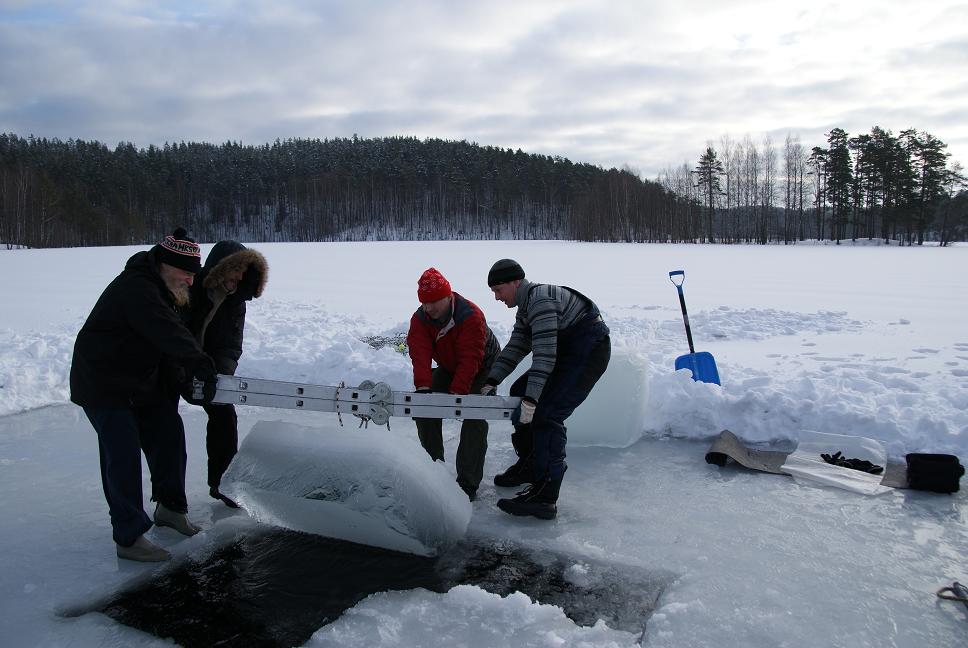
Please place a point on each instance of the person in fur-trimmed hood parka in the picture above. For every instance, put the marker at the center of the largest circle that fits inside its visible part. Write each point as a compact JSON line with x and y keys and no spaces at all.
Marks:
{"x":232,"y":275}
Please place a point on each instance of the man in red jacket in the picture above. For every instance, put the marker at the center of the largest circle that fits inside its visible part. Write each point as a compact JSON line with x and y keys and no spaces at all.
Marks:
{"x":452,"y":331}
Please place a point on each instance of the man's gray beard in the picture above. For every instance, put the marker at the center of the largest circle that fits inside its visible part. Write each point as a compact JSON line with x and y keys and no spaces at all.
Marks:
{"x":180,"y":293}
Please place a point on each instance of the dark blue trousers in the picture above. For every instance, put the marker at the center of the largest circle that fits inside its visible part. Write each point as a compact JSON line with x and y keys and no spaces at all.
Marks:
{"x":123,"y":434}
{"x":583,"y":354}
{"x":221,"y":440}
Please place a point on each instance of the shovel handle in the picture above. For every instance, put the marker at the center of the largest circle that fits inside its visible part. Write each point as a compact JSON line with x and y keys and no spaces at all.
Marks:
{"x":681,"y":276}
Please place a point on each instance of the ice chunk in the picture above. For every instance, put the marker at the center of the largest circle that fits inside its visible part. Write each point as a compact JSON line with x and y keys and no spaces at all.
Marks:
{"x":612,"y":416}
{"x":372,"y":487}
{"x":614,"y":412}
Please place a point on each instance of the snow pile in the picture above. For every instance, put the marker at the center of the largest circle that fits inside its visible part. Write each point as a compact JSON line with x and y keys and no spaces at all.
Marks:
{"x":725,"y":323}
{"x":907,"y":410}
{"x":480,"y":619}
{"x":366,"y":486}
{"x":34,"y":368}
{"x":307,"y":342}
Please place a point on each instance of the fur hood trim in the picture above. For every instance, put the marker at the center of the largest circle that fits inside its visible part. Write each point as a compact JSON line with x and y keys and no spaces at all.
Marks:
{"x":247,"y":260}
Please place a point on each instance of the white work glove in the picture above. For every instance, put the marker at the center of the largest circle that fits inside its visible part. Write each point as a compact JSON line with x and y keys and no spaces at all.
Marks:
{"x":487,"y":390}
{"x":527,"y":411}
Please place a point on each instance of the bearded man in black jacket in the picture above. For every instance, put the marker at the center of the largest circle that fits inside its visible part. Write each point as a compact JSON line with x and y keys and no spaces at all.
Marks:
{"x":126,"y":356}
{"x":233,"y":275}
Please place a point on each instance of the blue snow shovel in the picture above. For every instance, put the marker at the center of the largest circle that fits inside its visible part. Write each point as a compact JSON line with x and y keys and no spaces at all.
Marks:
{"x":702,"y":364}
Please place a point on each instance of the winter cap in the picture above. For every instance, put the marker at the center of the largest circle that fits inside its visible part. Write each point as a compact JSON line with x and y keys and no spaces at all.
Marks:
{"x":180,"y":251}
{"x":504,"y":271}
{"x":432,"y":286}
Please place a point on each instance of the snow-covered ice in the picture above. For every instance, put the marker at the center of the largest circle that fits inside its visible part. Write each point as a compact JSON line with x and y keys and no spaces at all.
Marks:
{"x":866,"y":341}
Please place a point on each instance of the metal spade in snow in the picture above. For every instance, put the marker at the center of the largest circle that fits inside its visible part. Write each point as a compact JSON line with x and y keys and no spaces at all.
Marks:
{"x":702,"y":364}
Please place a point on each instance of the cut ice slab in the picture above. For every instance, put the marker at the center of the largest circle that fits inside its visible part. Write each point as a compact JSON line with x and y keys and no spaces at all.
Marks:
{"x":366,"y":486}
{"x":613,"y":415}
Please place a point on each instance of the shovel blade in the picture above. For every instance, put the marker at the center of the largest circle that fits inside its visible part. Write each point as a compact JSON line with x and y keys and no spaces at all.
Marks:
{"x":701,"y":364}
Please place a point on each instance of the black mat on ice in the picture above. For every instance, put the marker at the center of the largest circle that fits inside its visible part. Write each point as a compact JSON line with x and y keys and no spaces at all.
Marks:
{"x":727,"y":447}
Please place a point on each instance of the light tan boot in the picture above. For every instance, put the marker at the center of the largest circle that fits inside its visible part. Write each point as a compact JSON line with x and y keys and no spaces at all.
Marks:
{"x":177,"y":521}
{"x":143,"y":550}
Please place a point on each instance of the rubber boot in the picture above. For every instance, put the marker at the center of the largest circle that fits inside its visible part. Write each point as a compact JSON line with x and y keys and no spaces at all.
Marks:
{"x":539,"y":500}
{"x":177,"y":521}
{"x":143,"y":550}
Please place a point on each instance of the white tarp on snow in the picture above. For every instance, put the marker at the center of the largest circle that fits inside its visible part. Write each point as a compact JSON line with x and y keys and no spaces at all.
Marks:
{"x":805,"y":463}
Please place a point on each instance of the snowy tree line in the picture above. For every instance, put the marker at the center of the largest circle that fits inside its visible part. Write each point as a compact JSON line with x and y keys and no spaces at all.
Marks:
{"x":74,"y":193}
{"x":56,"y":193}
{"x":874,"y":185}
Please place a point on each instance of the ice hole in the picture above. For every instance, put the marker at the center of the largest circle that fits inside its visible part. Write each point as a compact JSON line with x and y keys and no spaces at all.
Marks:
{"x":278,"y":588}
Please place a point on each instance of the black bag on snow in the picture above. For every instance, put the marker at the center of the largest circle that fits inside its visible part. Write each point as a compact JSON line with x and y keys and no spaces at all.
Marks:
{"x":939,"y":473}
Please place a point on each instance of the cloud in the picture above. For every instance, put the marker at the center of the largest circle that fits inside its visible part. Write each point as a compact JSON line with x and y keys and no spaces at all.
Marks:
{"x":612,"y":83}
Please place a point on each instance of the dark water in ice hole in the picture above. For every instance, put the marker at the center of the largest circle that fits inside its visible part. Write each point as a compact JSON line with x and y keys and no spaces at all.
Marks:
{"x":278,"y":588}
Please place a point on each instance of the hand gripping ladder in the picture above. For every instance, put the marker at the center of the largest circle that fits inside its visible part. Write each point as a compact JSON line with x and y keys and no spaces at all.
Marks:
{"x":370,"y":401}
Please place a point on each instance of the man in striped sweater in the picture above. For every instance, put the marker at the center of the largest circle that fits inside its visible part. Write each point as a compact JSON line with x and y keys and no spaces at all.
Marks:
{"x":570,"y":347}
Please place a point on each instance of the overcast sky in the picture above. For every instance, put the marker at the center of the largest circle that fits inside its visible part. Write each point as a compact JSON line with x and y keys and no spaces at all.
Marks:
{"x":640,"y":83}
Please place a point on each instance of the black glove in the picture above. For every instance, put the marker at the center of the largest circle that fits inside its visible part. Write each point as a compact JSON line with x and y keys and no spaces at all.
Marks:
{"x":204,"y":372}
{"x":831,"y":459}
{"x":204,"y":369}
{"x":854,"y":464}
{"x":209,"y":387}
{"x":865,"y":466}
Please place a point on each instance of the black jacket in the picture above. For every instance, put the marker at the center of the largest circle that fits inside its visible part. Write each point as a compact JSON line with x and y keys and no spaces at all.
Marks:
{"x":131,"y":332}
{"x":217,"y":319}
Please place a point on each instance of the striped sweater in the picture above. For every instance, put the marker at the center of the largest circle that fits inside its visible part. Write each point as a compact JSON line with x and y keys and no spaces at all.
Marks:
{"x":543,"y":310}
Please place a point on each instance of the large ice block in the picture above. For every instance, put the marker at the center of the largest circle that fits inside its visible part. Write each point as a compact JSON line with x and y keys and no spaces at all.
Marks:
{"x":368,"y":486}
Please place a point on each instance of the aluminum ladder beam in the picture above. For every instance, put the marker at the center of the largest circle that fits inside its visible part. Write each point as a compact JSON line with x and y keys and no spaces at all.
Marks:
{"x":369,"y":401}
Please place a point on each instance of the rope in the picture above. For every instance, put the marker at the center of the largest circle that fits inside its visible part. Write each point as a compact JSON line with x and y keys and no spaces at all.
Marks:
{"x":339,"y":414}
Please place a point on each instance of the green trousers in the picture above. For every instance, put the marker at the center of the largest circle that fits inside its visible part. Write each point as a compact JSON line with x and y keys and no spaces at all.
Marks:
{"x":473,"y":433}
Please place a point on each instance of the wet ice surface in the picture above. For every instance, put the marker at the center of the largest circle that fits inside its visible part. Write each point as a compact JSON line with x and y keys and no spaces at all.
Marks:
{"x":758,"y":559}
{"x":277,"y":587}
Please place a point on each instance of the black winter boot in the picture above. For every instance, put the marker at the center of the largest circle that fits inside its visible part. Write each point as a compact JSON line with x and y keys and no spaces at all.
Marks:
{"x":215,"y":493}
{"x":539,"y":500}
{"x":516,"y":475}
{"x":470,"y":491}
{"x":520,"y":472}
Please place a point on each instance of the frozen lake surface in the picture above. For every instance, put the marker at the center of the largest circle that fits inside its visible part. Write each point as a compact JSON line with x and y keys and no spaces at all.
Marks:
{"x":867,"y":342}
{"x":754,"y":557}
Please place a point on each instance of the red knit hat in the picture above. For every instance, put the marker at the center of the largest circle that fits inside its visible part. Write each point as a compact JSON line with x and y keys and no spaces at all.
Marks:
{"x":432,"y":286}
